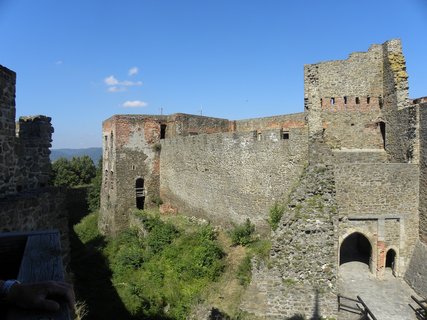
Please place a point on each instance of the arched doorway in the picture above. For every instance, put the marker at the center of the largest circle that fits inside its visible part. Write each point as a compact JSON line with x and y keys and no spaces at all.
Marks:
{"x":390,"y":260}
{"x":139,"y":193}
{"x":356,"y":247}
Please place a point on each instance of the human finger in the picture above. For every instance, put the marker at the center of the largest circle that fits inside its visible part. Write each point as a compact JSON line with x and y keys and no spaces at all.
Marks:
{"x":62,"y":289}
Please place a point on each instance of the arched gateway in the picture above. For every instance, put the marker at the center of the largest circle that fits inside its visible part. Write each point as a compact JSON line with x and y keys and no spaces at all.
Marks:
{"x":356,"y":247}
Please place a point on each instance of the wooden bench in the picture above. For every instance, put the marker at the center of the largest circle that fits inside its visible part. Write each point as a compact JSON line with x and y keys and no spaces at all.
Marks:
{"x":31,"y":257}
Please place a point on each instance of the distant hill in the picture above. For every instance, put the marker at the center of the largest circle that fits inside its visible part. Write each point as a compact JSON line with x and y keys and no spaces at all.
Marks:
{"x":94,"y":153}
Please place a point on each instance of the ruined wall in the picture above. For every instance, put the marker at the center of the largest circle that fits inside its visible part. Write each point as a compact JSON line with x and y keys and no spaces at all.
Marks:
{"x":181,"y":124}
{"x":380,"y":201}
{"x":423,"y":171}
{"x":33,"y":150}
{"x":36,"y":211}
{"x":128,"y":154}
{"x":416,"y":274}
{"x":229,"y":177}
{"x":24,"y":148}
{"x":288,"y":121}
{"x":301,"y":275}
{"x":363,"y":103}
{"x":396,"y":99}
{"x":339,"y":83}
{"x":131,"y":151}
{"x":7,"y":131}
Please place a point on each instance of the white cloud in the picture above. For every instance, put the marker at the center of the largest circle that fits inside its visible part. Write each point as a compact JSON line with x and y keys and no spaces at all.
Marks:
{"x":116,"y":89}
{"x":134,"y":104}
{"x":128,"y":83}
{"x":111,"y":81}
{"x":133,"y":71}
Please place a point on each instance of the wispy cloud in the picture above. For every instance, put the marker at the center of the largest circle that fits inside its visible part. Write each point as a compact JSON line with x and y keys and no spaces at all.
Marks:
{"x":134,"y":104}
{"x":116,"y":89}
{"x":114,"y":85}
{"x":111,"y":81}
{"x":133,"y":71}
{"x":58,"y":62}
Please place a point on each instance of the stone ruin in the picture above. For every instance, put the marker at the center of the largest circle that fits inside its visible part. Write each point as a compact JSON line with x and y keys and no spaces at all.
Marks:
{"x":351,"y":168}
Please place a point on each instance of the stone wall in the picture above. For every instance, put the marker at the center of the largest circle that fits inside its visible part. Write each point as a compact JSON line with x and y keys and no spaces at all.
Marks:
{"x":296,"y":120}
{"x":36,"y":211}
{"x":7,"y":131}
{"x":300,"y":277}
{"x":416,"y":275}
{"x":229,"y":177}
{"x":381,"y":202}
{"x":24,"y":148}
{"x":423,"y":172}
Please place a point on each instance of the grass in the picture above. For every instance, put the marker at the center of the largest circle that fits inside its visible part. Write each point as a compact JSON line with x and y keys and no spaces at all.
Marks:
{"x":179,"y":264}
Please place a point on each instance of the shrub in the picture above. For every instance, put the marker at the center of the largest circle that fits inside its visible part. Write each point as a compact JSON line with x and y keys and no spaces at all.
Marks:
{"x":276,"y":213}
{"x":242,"y":235}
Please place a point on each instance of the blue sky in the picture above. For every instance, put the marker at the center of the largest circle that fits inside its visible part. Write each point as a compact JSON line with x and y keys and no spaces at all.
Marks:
{"x":82,"y":61}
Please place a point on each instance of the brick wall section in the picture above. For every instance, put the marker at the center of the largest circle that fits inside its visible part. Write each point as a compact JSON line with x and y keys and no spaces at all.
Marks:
{"x":226,"y":178}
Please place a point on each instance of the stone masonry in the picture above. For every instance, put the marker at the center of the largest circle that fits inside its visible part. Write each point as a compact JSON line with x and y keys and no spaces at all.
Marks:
{"x":350,"y":169}
{"x":27,"y":202}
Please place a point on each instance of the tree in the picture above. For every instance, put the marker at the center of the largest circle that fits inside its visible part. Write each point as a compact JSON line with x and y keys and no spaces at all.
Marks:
{"x":63,"y":174}
{"x":93,"y":196}
{"x":74,"y":172}
{"x":84,"y":168}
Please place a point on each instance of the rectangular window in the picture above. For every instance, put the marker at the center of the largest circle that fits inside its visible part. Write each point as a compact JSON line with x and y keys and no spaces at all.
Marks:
{"x":285,"y":135}
{"x":162,"y":131}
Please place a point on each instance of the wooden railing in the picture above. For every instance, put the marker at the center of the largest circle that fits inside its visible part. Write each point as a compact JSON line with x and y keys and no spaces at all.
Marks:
{"x":359,"y":307}
{"x":421,"y":310}
{"x":31,"y":257}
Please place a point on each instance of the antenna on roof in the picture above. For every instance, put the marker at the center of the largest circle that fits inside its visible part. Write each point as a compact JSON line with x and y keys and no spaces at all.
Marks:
{"x":201,"y":110}
{"x":161,"y":111}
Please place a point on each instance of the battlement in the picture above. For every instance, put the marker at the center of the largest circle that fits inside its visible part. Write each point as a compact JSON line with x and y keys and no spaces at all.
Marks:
{"x":25,"y":163}
{"x":351,"y":104}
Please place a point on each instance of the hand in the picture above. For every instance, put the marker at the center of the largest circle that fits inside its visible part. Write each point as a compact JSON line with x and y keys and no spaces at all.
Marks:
{"x":41,"y":295}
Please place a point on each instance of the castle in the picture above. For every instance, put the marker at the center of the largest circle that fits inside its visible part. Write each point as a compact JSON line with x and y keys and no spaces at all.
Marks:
{"x":351,"y":168}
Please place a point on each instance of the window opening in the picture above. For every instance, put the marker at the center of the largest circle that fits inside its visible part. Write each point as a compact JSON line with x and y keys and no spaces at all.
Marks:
{"x":259,"y":136}
{"x":390,"y":260}
{"x":332,"y":101}
{"x":345,"y":100}
{"x":139,"y":193}
{"x":380,"y":101}
{"x":357,"y":100}
{"x":368,"y":100}
{"x":285,"y":135}
{"x":162,"y":131}
{"x":382,"y":130}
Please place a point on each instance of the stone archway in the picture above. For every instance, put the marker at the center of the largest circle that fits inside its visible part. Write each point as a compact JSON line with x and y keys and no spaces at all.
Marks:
{"x":356,"y":247}
{"x":390,"y":260}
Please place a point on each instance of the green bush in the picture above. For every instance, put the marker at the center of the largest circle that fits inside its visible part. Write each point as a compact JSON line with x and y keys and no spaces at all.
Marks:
{"x":242,"y":234}
{"x":276,"y":213}
{"x":165,"y":270}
